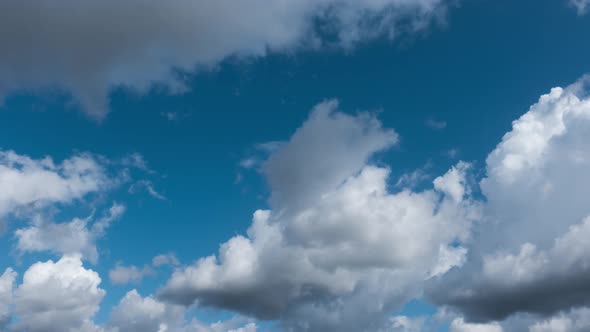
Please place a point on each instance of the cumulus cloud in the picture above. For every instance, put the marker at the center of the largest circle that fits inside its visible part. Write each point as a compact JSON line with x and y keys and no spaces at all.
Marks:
{"x":6,"y":288}
{"x":58,"y":296}
{"x":531,"y":253}
{"x":34,"y":183}
{"x":66,"y":44}
{"x":78,"y":236}
{"x":144,"y":314}
{"x":338,"y":251}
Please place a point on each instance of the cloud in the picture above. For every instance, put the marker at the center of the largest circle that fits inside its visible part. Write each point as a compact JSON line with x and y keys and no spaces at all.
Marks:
{"x":35,"y":183}
{"x":58,"y":296}
{"x":580,"y":5}
{"x":6,"y":289}
{"x":337,"y":251}
{"x":165,"y":259}
{"x":530,"y":254}
{"x":436,"y":124}
{"x":459,"y":325}
{"x":121,"y":275}
{"x":78,"y":236}
{"x":144,"y":314}
{"x":66,"y":44}
{"x":577,"y":320}
{"x":147,"y":186}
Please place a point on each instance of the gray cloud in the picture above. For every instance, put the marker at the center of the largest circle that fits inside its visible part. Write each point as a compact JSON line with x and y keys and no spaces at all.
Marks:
{"x":87,"y":48}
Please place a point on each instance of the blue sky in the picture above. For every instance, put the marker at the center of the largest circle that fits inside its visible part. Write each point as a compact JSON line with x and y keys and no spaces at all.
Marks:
{"x":191,"y":140}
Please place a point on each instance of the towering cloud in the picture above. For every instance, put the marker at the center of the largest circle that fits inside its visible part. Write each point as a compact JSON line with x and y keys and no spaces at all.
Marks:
{"x":88,"y":48}
{"x":531,"y":254}
{"x":338,"y":251}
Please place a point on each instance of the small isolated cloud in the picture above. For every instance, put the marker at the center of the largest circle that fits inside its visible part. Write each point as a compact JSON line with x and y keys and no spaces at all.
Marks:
{"x":122,"y":275}
{"x":436,"y":124}
{"x":165,"y":259}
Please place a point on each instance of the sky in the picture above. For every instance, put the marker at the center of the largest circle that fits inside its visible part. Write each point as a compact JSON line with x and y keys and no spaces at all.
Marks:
{"x":295,"y":165}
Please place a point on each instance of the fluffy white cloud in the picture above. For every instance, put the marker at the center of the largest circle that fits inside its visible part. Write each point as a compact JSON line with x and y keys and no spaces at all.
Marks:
{"x":28,"y":182}
{"x":531,"y":254}
{"x":75,"y":237}
{"x":338,"y":251}
{"x":145,"y":314}
{"x":66,"y":43}
{"x":58,"y":296}
{"x":6,"y":288}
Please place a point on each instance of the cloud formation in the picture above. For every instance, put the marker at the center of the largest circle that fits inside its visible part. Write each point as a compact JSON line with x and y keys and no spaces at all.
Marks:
{"x":58,"y":296}
{"x":531,"y":254}
{"x":337,"y":251}
{"x":78,"y":236}
{"x":35,"y":183}
{"x":66,"y":44}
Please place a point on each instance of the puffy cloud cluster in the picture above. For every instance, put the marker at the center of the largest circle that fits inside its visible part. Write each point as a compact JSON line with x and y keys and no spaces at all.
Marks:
{"x":67,"y":44}
{"x":58,"y":296}
{"x":35,"y":183}
{"x":338,"y":251}
{"x":531,"y":254}
{"x":137,"y":314}
{"x":75,"y":237}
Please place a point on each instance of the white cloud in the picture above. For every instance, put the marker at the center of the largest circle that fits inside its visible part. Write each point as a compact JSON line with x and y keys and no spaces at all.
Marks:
{"x":122,"y":275}
{"x":531,"y":253}
{"x":459,"y":325}
{"x":58,"y":296}
{"x":67,"y":44}
{"x":144,"y":314}
{"x":165,"y":259}
{"x":337,"y":251}
{"x":6,"y":288}
{"x":34,"y":183}
{"x":78,"y":236}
